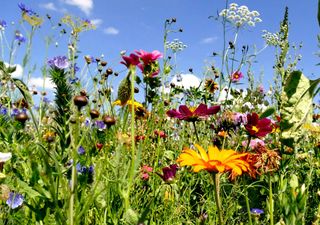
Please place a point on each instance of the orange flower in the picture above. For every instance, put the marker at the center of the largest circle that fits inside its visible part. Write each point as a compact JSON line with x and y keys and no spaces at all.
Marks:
{"x":215,"y":160}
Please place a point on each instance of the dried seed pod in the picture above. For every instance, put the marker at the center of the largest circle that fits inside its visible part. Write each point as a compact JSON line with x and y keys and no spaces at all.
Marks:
{"x":103,"y":63}
{"x":21,"y":117}
{"x":109,"y":120}
{"x":94,"y":113}
{"x":80,"y":101}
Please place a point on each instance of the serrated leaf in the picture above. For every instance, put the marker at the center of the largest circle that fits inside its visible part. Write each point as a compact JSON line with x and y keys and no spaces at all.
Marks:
{"x":296,"y":108}
{"x":268,"y":112}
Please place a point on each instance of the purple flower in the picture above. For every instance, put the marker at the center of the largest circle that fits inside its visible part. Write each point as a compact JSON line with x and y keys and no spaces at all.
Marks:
{"x":100,"y":124}
{"x":15,"y":200}
{"x":256,"y":212}
{"x":169,"y":173}
{"x":81,"y":150}
{"x":46,"y":100}
{"x":59,"y":62}
{"x":15,"y":112}
{"x":25,"y":9}
{"x":19,"y":37}
{"x":3,"y":24}
{"x":236,"y":76}
{"x":3,"y":111}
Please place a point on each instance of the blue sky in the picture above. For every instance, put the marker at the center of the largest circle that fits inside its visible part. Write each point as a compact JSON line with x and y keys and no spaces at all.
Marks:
{"x":138,"y":24}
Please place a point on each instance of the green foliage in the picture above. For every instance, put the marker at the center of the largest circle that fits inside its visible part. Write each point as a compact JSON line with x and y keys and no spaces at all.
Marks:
{"x":296,"y":109}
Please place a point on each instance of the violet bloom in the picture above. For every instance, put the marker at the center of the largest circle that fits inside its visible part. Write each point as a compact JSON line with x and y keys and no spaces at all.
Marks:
{"x":3,"y":25}
{"x":131,"y":60}
{"x":256,"y":212}
{"x":81,"y":150}
{"x":15,"y":200}
{"x":19,"y":37}
{"x":59,"y":62}
{"x":236,"y":76}
{"x":193,"y":114}
{"x":169,"y":173}
{"x":100,"y":124}
{"x":25,"y":9}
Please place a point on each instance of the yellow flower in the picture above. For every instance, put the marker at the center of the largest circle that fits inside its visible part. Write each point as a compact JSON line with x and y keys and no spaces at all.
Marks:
{"x":215,"y":160}
{"x":140,"y":111}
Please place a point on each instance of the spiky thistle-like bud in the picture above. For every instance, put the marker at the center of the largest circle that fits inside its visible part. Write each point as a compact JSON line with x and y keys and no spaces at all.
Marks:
{"x":124,"y":90}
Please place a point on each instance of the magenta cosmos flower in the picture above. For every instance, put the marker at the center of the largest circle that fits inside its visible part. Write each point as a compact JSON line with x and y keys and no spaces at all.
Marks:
{"x":149,"y":65}
{"x":257,"y":127}
{"x":236,"y":76}
{"x":193,"y":114}
{"x":132,"y":59}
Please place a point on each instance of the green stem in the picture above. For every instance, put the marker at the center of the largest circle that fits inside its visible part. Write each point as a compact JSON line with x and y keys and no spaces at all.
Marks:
{"x":270,"y":201}
{"x":216,"y":181}
{"x":195,"y":131}
{"x":248,"y":207}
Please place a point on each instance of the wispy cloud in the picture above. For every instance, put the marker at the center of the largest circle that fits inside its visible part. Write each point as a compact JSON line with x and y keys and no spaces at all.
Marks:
{"x":84,"y":5}
{"x":39,"y":82}
{"x":49,"y":6}
{"x":209,"y":40}
{"x":96,"y":22}
{"x":111,"y":31}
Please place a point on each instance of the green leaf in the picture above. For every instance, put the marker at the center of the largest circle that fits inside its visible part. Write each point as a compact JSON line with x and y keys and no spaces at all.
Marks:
{"x":23,"y":89}
{"x":25,"y":188}
{"x":268,"y":112}
{"x":296,"y":108}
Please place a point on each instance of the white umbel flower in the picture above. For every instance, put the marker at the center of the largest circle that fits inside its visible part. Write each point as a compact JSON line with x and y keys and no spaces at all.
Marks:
{"x":5,"y":156}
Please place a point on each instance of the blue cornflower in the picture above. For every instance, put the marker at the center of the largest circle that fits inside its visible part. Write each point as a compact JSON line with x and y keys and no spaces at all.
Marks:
{"x":59,"y":62}
{"x":15,"y":112}
{"x":91,"y":170}
{"x":19,"y":37}
{"x":15,"y":200}
{"x":3,"y":110}
{"x":25,"y":9}
{"x":81,"y":150}
{"x":256,"y":212}
{"x":3,"y":24}
{"x":87,"y":122}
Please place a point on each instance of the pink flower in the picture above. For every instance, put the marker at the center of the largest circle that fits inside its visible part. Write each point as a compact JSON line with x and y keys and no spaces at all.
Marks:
{"x":148,"y":57}
{"x":149,"y":65}
{"x":254,"y":143}
{"x":145,"y":170}
{"x":132,"y":59}
{"x":236,"y":76}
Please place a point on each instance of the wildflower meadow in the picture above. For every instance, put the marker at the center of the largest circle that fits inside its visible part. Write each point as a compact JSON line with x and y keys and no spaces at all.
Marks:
{"x":134,"y":141}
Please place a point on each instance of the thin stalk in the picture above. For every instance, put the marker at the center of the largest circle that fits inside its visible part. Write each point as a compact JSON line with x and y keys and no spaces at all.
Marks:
{"x":248,"y":207}
{"x":195,"y":131}
{"x":216,"y":180}
{"x":270,"y":201}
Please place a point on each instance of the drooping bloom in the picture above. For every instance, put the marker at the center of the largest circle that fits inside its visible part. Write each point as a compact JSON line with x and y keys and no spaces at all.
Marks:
{"x":215,"y":160}
{"x":169,"y":173}
{"x":131,"y":60}
{"x":258,"y":127}
{"x":15,"y":200}
{"x":149,"y":65}
{"x":59,"y":62}
{"x":236,"y":76}
{"x":193,"y":114}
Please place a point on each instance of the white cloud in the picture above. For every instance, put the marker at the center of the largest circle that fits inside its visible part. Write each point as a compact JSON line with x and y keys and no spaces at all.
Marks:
{"x":184,"y":80}
{"x":84,"y":5}
{"x":96,"y":22}
{"x":49,"y":6}
{"x":39,"y":82}
{"x":111,"y":31}
{"x":209,"y":40}
{"x":19,"y":70}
